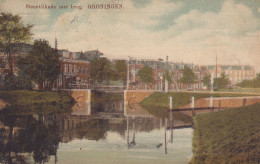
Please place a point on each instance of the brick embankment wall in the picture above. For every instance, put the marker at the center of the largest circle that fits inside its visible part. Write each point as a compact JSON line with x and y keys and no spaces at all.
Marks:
{"x":136,"y":96}
{"x":223,"y":102}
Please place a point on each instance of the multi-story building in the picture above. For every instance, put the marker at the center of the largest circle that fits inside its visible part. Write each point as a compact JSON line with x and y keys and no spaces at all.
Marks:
{"x":158,"y":67}
{"x":236,"y":73}
{"x":75,"y":69}
{"x":74,"y":74}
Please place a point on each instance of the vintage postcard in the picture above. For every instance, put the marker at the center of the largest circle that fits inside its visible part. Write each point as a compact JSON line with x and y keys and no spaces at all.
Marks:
{"x":130,"y":81}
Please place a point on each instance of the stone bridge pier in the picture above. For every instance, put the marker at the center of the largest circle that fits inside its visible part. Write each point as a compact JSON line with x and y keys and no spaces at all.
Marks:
{"x":80,"y":95}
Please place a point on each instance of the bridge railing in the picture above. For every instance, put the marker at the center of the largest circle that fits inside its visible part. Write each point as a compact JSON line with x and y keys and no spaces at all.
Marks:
{"x":105,"y":87}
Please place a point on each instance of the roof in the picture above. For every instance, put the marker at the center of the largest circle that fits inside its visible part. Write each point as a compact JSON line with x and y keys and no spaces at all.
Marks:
{"x":211,"y":67}
{"x":231,"y":67}
{"x":236,"y":67}
{"x":246,"y":67}
{"x":88,"y":55}
{"x":225,"y":67}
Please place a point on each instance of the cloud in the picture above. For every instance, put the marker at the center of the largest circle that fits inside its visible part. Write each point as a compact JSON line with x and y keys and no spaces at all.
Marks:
{"x":232,"y":32}
{"x":31,"y":16}
{"x":102,"y":28}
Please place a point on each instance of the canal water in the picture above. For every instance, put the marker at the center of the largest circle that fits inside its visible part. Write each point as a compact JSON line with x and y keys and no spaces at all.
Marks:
{"x":101,"y":132}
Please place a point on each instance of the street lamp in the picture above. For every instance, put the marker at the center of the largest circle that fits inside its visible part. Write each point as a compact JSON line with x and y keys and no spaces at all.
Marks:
{"x":166,"y":82}
{"x":212,"y":81}
{"x":161,"y":75}
{"x":127,"y":79}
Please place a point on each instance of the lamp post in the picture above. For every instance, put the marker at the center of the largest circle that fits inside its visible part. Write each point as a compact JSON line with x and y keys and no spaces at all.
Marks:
{"x":212,"y":81}
{"x":127,"y":80}
{"x":161,"y":75}
{"x":166,"y":82}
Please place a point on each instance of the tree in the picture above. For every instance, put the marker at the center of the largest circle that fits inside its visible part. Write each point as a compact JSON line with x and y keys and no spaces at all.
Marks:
{"x":206,"y":80}
{"x":258,"y":76}
{"x":42,"y":63}
{"x":222,"y":82}
{"x":253,"y":83}
{"x":188,"y":77}
{"x":100,"y":70}
{"x":120,"y":70}
{"x":146,"y":74}
{"x":20,"y":82}
{"x":13,"y":32}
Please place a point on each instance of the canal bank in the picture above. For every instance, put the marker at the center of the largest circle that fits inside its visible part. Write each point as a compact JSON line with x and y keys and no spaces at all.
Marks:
{"x":19,"y":98}
{"x":157,"y":103}
{"x":231,"y":136}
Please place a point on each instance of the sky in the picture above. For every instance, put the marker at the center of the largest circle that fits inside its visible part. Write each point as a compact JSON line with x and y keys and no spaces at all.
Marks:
{"x":192,"y":31}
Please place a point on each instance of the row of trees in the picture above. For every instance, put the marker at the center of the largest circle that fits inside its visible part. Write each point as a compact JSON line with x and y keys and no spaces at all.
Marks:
{"x":254,"y":83}
{"x":146,"y":75}
{"x":189,"y":77}
{"x":219,"y":83}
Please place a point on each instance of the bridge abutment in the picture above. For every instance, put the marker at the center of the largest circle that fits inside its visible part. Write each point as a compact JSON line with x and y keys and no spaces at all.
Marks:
{"x":80,"y":95}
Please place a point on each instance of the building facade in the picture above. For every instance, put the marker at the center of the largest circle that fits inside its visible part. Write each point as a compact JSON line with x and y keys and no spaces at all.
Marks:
{"x":236,"y":73}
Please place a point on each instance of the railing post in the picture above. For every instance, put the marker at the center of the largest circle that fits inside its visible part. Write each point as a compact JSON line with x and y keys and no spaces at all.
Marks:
{"x":192,"y":105}
{"x":127,"y":129}
{"x":211,"y":103}
{"x":165,"y":136}
{"x":171,"y":119}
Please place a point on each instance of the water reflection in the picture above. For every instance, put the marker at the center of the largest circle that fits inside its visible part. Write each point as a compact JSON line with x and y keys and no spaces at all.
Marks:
{"x":25,"y":134}
{"x":110,"y":127}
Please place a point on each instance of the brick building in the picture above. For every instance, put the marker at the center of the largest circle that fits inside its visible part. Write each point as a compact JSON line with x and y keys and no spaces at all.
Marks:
{"x":158,"y":71}
{"x":75,"y":69}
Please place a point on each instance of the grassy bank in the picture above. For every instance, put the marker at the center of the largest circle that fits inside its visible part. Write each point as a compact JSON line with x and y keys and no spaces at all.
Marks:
{"x":231,"y":136}
{"x":27,"y":98}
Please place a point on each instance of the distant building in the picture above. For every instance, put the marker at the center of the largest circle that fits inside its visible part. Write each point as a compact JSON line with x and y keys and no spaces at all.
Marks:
{"x":134,"y":79}
{"x":236,"y":73}
{"x":89,"y":55}
{"x":19,"y":50}
{"x":158,"y":69}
